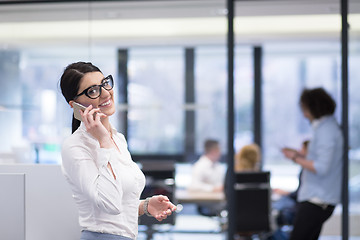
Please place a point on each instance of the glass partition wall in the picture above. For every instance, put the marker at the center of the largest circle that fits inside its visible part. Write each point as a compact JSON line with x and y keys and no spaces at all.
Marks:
{"x":354,"y":111}
{"x":298,"y":51}
{"x":34,"y":51}
{"x":300,"y":48}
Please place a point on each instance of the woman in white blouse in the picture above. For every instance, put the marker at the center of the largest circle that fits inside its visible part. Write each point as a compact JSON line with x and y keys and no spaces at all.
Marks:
{"x":105,"y":182}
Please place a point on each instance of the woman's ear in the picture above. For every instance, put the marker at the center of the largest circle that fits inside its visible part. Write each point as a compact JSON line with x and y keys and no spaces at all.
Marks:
{"x":71,"y":103}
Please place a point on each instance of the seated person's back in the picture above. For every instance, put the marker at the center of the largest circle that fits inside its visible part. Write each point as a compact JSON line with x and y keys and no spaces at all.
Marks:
{"x":248,"y":158}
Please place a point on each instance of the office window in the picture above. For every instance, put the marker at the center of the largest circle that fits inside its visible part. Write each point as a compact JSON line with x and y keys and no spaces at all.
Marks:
{"x":156,"y":98}
{"x":243,"y":97}
{"x":210,"y":96}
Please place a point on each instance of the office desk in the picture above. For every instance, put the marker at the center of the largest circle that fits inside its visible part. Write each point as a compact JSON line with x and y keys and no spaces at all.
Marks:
{"x":185,"y":196}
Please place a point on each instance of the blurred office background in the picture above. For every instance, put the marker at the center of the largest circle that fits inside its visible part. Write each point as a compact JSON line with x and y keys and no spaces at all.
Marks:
{"x":169,"y":62}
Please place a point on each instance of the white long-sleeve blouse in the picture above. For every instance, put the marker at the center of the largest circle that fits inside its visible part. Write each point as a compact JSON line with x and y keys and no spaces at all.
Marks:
{"x":105,"y":204}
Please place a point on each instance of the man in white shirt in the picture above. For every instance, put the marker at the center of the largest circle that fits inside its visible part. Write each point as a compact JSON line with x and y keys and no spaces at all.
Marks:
{"x":208,"y":175}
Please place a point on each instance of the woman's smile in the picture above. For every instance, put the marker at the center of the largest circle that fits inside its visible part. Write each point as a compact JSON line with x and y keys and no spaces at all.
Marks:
{"x":106,"y":104}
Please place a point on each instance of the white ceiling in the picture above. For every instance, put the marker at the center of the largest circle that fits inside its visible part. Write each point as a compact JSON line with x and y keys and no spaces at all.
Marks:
{"x":165,"y":9}
{"x":170,"y":22}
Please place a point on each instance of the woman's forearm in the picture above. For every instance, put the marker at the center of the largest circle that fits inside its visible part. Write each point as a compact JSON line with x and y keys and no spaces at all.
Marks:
{"x":305,"y":163}
{"x":141,"y":208}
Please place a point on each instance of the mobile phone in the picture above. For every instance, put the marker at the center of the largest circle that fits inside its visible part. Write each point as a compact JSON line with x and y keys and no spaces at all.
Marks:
{"x":77,"y":107}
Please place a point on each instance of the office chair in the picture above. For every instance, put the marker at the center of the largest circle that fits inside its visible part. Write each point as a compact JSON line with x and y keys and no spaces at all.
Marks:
{"x":252,"y":203}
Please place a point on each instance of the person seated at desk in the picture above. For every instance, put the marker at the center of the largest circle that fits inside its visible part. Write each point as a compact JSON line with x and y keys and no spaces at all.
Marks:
{"x":208,"y":176}
{"x":248,"y":158}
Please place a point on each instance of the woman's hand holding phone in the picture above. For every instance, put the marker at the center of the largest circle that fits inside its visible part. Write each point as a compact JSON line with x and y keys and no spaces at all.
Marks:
{"x":289,"y":152}
{"x":92,"y":119}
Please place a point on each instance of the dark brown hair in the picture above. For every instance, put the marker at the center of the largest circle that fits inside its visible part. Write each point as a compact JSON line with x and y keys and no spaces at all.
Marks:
{"x":318,"y":102}
{"x":70,"y":82}
{"x":210,"y":144}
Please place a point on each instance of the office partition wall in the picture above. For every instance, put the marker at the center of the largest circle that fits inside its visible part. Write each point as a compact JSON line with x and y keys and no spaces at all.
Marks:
{"x":12,"y":206}
{"x":38,"y":205}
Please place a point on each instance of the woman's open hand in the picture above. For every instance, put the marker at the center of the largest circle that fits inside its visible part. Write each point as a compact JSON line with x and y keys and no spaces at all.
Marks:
{"x":160,"y":207}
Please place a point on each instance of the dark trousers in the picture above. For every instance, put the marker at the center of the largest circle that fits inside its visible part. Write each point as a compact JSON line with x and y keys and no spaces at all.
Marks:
{"x":309,"y":220}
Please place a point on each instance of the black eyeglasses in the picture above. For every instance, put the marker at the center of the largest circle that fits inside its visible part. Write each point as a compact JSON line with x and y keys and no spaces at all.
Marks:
{"x":94,"y":91}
